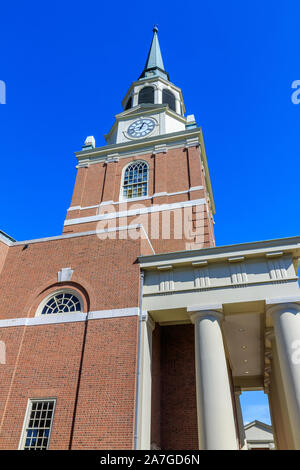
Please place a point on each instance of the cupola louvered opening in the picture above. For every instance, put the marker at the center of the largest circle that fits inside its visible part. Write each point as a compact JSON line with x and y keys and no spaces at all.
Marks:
{"x":129,"y":104}
{"x":146,"y":95}
{"x":169,"y":98}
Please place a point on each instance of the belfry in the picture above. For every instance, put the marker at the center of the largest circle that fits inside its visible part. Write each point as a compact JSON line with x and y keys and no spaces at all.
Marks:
{"x":132,"y":329}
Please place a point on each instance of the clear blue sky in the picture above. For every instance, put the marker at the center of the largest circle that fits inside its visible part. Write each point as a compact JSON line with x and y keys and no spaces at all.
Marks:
{"x":67,"y":66}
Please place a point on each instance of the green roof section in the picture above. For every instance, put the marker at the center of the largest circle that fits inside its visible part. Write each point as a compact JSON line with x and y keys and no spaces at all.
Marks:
{"x":154,"y":64}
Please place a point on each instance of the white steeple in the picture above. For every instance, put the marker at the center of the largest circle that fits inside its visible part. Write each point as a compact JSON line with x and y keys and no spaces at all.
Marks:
{"x":152,"y":106}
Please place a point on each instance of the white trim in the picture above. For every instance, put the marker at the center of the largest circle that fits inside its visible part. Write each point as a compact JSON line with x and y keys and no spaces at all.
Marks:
{"x":283,"y":300}
{"x":26,"y":419}
{"x":74,"y":235}
{"x":5,"y":240}
{"x":121,"y":197}
{"x":147,"y":238}
{"x":107,"y":203}
{"x":116,"y":313}
{"x":59,"y":291}
{"x":146,"y":146}
{"x":132,"y":212}
{"x":225,"y":285}
{"x":75,"y":208}
{"x":69,"y":317}
{"x":204,"y":308}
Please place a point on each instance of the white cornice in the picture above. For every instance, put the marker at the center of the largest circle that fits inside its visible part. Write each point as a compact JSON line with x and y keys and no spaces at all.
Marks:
{"x":6,"y":239}
{"x":221,"y":253}
{"x":147,"y":146}
{"x":141,"y":147}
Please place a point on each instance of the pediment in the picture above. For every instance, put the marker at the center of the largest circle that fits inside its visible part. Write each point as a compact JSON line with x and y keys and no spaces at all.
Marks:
{"x":140,"y":108}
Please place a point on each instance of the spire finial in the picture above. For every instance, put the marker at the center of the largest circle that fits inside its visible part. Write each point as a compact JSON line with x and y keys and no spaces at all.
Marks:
{"x":154,"y":64}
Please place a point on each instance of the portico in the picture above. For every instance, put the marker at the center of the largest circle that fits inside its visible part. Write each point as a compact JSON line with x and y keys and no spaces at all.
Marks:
{"x":244,"y":303}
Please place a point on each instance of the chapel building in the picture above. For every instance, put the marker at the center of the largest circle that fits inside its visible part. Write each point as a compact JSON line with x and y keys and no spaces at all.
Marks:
{"x":131,"y":329}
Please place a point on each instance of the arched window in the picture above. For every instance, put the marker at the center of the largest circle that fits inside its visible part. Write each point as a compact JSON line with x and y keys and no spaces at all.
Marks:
{"x":61,"y":302}
{"x":146,"y":95}
{"x":129,"y":103}
{"x":135,"y":183}
{"x":169,"y":98}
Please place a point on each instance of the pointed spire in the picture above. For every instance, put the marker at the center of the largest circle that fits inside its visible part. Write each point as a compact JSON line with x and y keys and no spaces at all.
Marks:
{"x":154,"y":64}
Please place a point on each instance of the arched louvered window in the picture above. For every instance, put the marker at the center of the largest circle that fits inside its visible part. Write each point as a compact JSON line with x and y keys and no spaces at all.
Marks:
{"x":146,"y":95}
{"x":135,"y":183}
{"x":169,"y":98}
{"x":129,"y":104}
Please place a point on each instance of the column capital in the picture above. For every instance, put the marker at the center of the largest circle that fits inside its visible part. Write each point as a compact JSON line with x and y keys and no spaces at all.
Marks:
{"x":146,"y":318}
{"x":197,"y":312}
{"x":282,"y":304}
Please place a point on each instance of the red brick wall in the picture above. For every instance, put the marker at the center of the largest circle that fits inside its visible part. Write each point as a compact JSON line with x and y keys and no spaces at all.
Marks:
{"x":159,"y":227}
{"x":174,"y":412}
{"x":103,"y":269}
{"x":44,"y":362}
{"x":53,"y":360}
{"x":174,"y":171}
{"x":171,"y":172}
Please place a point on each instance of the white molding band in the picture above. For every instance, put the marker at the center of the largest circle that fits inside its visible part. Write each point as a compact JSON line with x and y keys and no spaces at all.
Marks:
{"x":144,"y":198}
{"x":84,"y":234}
{"x":170,"y":141}
{"x":212,"y":287}
{"x":133,"y":212}
{"x":282,"y":300}
{"x":205,"y":308}
{"x":55,"y":318}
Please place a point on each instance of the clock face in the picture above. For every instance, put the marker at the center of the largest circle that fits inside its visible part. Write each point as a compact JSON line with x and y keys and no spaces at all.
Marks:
{"x":141,"y":127}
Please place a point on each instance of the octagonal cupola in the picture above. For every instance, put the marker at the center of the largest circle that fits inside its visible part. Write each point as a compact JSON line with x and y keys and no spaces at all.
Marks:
{"x":152,"y":97}
{"x":153,"y":85}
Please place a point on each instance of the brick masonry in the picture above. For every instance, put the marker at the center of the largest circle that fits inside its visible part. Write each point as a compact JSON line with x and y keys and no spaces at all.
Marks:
{"x":175,"y":171}
{"x":90,"y":367}
{"x":174,"y":409}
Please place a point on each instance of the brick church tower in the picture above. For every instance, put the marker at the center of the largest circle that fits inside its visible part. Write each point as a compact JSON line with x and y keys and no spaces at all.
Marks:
{"x":152,"y":172}
{"x":96,"y":352}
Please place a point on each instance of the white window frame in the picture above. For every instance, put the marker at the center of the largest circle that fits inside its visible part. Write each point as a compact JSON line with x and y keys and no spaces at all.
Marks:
{"x":139,"y":198}
{"x":59,"y":291}
{"x":27,"y":416}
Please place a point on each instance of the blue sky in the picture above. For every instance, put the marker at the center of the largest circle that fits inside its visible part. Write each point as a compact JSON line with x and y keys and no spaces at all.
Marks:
{"x":255,"y":405}
{"x":67,"y":66}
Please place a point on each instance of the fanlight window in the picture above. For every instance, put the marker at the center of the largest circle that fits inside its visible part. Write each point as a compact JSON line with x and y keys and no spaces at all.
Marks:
{"x":62,"y":302}
{"x":169,"y":98}
{"x":135,"y":180}
{"x":146,"y":95}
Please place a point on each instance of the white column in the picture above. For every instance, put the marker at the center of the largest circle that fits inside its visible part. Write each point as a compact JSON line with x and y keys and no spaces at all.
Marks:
{"x":178,"y":106}
{"x":216,"y":425}
{"x":135,"y":99}
{"x":144,"y":432}
{"x":240,"y":420}
{"x":158,"y":95}
{"x":286,"y":320}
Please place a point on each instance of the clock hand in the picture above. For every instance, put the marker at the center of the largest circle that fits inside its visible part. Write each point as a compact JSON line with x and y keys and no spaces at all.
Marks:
{"x":141,"y":126}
